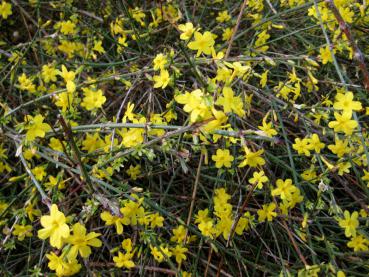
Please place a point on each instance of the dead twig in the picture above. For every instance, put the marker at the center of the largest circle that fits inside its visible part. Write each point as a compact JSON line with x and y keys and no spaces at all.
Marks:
{"x":358,"y":55}
{"x":234,"y":31}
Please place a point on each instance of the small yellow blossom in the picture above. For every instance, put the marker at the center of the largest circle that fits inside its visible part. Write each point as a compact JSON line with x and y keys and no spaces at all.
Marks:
{"x":162,"y":80}
{"x":222,"y":158}
{"x":267,"y":212}
{"x":98,"y":47}
{"x":343,"y":123}
{"x":223,"y":17}
{"x":67,"y":27}
{"x":93,"y":99}
{"x":5,"y":9}
{"x":124,"y":260}
{"x":259,"y":179}
{"x":187,"y":30}
{"x":49,"y":73}
{"x":253,"y":159}
{"x":55,"y":227}
{"x":349,"y":223}
{"x":82,"y":242}
{"x":359,"y":243}
{"x":22,"y":231}
{"x":203,"y":43}
{"x":325,"y":55}
{"x":36,"y":127}
{"x":345,"y":103}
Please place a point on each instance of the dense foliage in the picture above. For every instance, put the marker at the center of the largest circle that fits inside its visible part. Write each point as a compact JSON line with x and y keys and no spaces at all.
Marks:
{"x":186,"y":138}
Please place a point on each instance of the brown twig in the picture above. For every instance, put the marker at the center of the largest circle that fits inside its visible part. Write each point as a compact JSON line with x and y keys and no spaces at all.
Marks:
{"x":138,"y":267}
{"x":234,"y":31}
{"x":358,"y":55}
{"x":240,"y":213}
{"x":23,"y":11}
{"x":69,"y":136}
{"x":193,"y":198}
{"x":297,"y":249}
{"x":208,"y":261}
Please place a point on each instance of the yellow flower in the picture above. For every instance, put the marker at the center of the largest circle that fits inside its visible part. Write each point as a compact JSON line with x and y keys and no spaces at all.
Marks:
{"x":127,"y":245}
{"x":138,"y":15}
{"x":67,"y":27}
{"x":124,"y":260}
{"x":359,"y":243}
{"x":202,"y":216}
{"x":365,"y":178}
{"x":206,"y":228}
{"x":284,"y":189}
{"x":203,"y":43}
{"x":268,"y":129}
{"x":64,"y":100}
{"x":68,"y":77}
{"x":325,"y":55}
{"x":345,"y":102}
{"x":93,"y":99}
{"x":267,"y":212}
{"x":244,"y":223}
{"x":179,"y":234}
{"x":179,"y":253}
{"x":98,"y":47}
{"x":343,"y":168}
{"x":239,"y":70}
{"x":81,"y":242}
{"x":258,"y":178}
{"x":340,"y":147}
{"x":114,"y":220}
{"x":253,"y":159}
{"x":309,"y":175}
{"x":39,"y":172}
{"x":22,"y":231}
{"x":343,"y":123}
{"x":315,"y":144}
{"x":347,"y":14}
{"x":132,"y":137}
{"x":186,"y":274}
{"x":349,"y":223}
{"x":54,"y":227}
{"x":162,"y":80}
{"x":134,"y":171}
{"x":133,"y":211}
{"x":220,"y":119}
{"x":222,"y":158}
{"x":227,"y":34}
{"x":160,"y":61}
{"x":160,"y":254}
{"x":223,"y":16}
{"x":261,"y":41}
{"x":26,"y":84}
{"x":194,"y":103}
{"x":61,"y":266}
{"x":264,"y":78}
{"x":56,"y":145}
{"x":31,"y":212}
{"x":187,"y":30}
{"x":49,"y":73}
{"x":92,"y":142}
{"x":5,"y":9}
{"x":36,"y":127}
{"x":301,"y":146}
{"x":156,"y":220}
{"x":230,"y":102}
{"x":223,"y":74}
